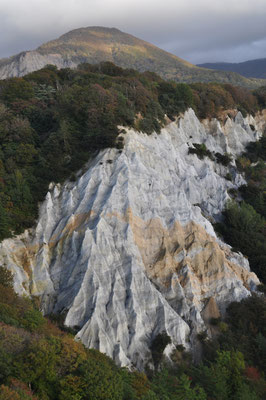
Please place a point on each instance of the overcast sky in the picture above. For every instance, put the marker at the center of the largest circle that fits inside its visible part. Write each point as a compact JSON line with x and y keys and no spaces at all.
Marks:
{"x":196,"y":30}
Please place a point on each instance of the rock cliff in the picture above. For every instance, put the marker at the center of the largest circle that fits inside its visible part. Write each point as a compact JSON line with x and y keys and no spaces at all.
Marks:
{"x":29,"y":61}
{"x":128,"y":249}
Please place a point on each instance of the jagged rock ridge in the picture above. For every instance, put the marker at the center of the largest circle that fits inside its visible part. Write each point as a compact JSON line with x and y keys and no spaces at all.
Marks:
{"x":128,"y":250}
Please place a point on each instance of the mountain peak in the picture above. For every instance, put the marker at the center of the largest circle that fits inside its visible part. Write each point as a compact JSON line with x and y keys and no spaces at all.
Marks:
{"x":85,"y":33}
{"x":96,"y":44}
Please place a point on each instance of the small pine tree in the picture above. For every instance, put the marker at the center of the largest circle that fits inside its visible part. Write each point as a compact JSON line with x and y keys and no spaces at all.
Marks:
{"x":6,"y":278}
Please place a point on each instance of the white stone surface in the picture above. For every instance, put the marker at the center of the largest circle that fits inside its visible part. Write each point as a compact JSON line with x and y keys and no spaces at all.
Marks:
{"x":29,"y":61}
{"x":126,"y":251}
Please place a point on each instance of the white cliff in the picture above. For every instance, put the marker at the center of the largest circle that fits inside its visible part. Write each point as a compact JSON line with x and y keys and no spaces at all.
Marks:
{"x":29,"y":61}
{"x":128,"y":250}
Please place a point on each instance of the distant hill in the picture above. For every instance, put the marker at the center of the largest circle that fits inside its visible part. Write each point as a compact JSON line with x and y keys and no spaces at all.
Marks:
{"x":96,"y":44}
{"x":250,"y":69}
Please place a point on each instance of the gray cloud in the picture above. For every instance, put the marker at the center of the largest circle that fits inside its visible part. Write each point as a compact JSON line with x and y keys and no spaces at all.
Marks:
{"x":197,"y":30}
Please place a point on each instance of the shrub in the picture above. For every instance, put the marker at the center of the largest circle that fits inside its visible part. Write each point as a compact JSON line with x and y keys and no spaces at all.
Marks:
{"x":202,"y":336}
{"x":223,"y":159}
{"x":201,"y":151}
{"x":228,"y":176}
{"x":158,"y":345}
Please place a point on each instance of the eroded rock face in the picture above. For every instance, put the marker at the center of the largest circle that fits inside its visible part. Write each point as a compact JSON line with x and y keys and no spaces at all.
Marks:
{"x":30,"y":61}
{"x":128,"y":250}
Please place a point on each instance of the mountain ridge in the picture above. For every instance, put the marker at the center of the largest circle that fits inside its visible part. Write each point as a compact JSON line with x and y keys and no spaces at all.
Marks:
{"x":251,"y":69}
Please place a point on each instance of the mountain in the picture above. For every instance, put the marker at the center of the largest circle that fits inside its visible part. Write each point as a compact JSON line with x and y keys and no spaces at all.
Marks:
{"x":127,"y":249}
{"x":250,"y":69}
{"x":96,"y":44}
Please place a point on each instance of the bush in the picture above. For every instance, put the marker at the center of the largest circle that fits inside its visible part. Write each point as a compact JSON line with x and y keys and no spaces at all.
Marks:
{"x":33,"y":320}
{"x":228,"y":176}
{"x":223,"y":159}
{"x":201,"y":151}
{"x":158,"y":345}
{"x":202,"y":336}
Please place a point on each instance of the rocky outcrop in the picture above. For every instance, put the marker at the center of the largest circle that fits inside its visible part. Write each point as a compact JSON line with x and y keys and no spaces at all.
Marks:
{"x":30,"y":61}
{"x":129,"y":251}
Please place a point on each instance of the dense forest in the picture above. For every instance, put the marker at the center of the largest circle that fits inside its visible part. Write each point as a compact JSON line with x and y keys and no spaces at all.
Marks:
{"x":40,"y":360}
{"x":244,"y":225}
{"x":52,"y":121}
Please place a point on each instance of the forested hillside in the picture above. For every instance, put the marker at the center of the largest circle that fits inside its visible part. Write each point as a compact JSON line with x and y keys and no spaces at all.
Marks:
{"x":39,"y":360}
{"x":244,"y":223}
{"x":52,"y":121}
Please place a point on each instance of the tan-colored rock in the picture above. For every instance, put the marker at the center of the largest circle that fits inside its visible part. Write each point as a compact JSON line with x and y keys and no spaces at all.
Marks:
{"x":210,"y":310}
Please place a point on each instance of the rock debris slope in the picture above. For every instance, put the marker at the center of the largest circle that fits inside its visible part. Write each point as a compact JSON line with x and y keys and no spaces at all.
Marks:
{"x":129,"y":251}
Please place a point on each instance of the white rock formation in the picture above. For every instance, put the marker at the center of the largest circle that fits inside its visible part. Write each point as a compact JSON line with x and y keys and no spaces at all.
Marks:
{"x":126,"y":250}
{"x":29,"y":61}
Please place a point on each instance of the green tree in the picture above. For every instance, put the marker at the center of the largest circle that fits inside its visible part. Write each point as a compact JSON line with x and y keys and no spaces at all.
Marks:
{"x":101,"y":378}
{"x":4,"y":222}
{"x":186,"y":392}
{"x":243,"y":217}
{"x":16,"y":88}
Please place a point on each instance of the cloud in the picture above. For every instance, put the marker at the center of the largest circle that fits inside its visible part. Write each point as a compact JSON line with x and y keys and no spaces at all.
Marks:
{"x":197,"y":30}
